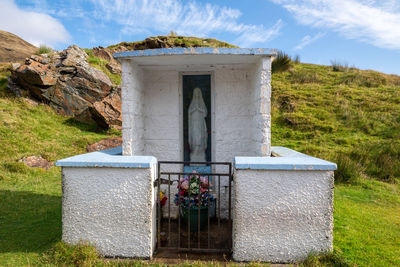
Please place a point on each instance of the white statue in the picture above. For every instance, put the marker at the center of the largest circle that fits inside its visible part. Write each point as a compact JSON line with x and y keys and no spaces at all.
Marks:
{"x":197,"y":127}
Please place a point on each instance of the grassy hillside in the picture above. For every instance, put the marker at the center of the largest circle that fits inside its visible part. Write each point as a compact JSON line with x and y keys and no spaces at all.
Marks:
{"x":30,"y":198}
{"x":349,"y":116}
{"x":13,"y":48}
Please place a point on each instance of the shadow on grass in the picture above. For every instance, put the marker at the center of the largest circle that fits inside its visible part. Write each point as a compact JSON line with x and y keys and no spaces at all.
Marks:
{"x":29,"y":222}
{"x":86,"y":127}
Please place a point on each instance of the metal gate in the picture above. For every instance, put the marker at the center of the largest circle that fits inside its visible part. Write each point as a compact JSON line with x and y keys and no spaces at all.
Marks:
{"x":198,"y":218}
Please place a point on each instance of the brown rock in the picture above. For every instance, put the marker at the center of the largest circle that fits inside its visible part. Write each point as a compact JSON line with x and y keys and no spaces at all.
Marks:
{"x":36,"y":73}
{"x":44,"y":58}
{"x":74,"y":56}
{"x":105,"y":144}
{"x":114,"y":68}
{"x":107,"y":54}
{"x":36,"y":161}
{"x":15,"y":66}
{"x":68,"y":83}
{"x":107,"y":112}
{"x":104,"y":53}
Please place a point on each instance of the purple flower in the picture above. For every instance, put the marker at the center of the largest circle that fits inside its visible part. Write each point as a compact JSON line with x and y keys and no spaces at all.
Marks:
{"x":185,"y":185}
{"x":204,"y":180}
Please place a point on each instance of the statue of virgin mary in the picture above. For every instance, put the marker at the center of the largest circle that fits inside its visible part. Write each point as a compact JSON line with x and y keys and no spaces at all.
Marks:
{"x":197,"y":114}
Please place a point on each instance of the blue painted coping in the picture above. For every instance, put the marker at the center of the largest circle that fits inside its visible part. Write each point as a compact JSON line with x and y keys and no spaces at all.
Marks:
{"x":284,"y":159}
{"x":108,"y":158}
{"x":196,"y":51}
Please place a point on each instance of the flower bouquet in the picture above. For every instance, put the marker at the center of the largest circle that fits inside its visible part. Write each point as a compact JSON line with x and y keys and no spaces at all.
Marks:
{"x":194,"y":197}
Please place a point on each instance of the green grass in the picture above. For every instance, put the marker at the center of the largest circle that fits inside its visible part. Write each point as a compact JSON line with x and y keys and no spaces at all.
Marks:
{"x":367,"y":223}
{"x":351,"y":117}
{"x":325,"y":113}
{"x":30,"y":198}
{"x":100,"y":64}
{"x":175,"y":41}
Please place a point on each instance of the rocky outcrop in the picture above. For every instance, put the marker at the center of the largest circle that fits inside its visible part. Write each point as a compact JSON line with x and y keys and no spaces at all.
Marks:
{"x":68,"y":83}
{"x":108,"y":110}
{"x":105,"y":144}
{"x":107,"y":54}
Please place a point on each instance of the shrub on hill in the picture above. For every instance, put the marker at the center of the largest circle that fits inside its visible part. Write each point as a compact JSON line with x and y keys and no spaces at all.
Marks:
{"x":339,"y":66}
{"x":282,"y":62}
{"x":44,"y":49}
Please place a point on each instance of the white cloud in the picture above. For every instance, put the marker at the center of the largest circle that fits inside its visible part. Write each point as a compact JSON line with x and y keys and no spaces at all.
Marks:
{"x":374,"y":22}
{"x":306,"y":40}
{"x":36,"y":28}
{"x":185,"y":18}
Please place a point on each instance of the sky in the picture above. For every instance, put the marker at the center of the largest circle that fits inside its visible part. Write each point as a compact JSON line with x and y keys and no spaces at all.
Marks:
{"x":360,"y":33}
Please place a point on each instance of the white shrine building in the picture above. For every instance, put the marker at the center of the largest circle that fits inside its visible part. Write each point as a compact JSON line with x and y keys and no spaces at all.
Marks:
{"x":280,"y":201}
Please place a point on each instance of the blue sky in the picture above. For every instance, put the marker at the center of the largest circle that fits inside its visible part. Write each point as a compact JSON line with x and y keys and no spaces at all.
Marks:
{"x":361,"y":33}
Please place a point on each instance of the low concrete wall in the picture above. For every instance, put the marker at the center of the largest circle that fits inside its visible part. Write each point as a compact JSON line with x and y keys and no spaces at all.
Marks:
{"x":283,"y":207}
{"x":109,"y":201}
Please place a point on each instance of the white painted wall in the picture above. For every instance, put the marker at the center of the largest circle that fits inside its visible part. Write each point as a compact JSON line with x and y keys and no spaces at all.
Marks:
{"x":261,"y":101}
{"x":282,"y":216}
{"x":152,"y":112}
{"x":233,"y":127}
{"x":132,"y":109}
{"x":111,"y":208}
{"x":152,"y":119}
{"x":162,"y":100}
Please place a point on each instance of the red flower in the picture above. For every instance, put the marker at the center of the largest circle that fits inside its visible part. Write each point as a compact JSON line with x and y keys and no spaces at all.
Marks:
{"x":163,"y":201}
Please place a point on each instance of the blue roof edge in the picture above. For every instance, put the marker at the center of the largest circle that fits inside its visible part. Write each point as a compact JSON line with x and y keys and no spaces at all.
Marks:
{"x":196,"y":51}
{"x":284,"y":159}
{"x":111,"y":158}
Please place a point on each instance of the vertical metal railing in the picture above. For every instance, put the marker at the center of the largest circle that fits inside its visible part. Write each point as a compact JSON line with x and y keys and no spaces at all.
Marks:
{"x":217,"y":237}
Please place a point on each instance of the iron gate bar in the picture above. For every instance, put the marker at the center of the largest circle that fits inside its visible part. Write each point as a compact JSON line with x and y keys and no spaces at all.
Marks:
{"x":219,"y":201}
{"x":158,"y":183}
{"x":158,"y":207}
{"x":198,"y":214}
{"x":208,"y":217}
{"x":230,"y":205}
{"x":197,"y":162}
{"x":189,"y":218}
{"x":201,"y":250}
{"x":179,"y":217}
{"x":191,"y":173}
{"x":169,"y":206}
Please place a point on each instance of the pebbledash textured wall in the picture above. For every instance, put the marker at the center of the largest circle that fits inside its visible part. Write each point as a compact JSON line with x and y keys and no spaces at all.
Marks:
{"x":111,"y":208}
{"x":132,"y":105}
{"x":152,"y":114}
{"x":283,"y":208}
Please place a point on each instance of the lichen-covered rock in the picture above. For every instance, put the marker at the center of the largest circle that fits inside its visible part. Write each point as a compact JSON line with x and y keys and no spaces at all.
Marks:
{"x":36,"y":73}
{"x":69,"y":84}
{"x":108,"y":111}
